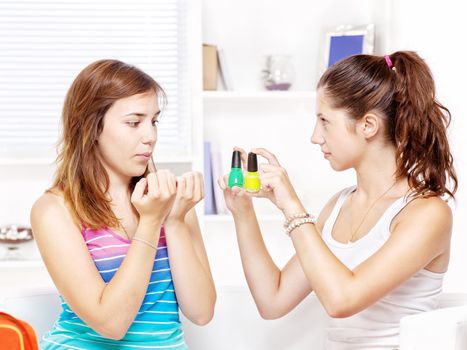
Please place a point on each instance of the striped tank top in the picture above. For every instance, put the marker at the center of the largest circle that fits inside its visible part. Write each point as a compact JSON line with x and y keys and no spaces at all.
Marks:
{"x":157,"y":324}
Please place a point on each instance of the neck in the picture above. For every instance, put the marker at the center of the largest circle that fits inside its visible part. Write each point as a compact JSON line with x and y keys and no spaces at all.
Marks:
{"x":376,"y":173}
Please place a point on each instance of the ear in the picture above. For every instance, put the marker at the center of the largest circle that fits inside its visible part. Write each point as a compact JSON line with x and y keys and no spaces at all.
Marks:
{"x":369,"y":125}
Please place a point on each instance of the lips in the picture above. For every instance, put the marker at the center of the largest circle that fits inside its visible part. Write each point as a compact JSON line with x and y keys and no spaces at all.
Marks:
{"x":146,"y":154}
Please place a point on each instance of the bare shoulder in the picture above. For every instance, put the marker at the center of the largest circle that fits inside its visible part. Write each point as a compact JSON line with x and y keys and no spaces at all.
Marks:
{"x":428,"y":220}
{"x":426,"y":212}
{"x":50,"y":209}
{"x":327,"y":209}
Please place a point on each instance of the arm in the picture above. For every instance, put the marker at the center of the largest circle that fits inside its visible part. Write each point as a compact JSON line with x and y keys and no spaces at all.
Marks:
{"x":422,"y":234}
{"x":110,"y":308}
{"x":192,"y":277}
{"x":276,"y":292}
{"x":419,"y":235}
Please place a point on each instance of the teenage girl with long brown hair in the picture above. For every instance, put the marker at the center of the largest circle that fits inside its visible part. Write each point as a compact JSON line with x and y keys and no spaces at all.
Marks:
{"x":378,"y":250}
{"x":120,"y":240}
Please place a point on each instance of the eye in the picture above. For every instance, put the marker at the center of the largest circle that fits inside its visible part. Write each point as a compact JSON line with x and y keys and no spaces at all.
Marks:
{"x":324,"y":121}
{"x":155,"y":121}
{"x":133,"y":124}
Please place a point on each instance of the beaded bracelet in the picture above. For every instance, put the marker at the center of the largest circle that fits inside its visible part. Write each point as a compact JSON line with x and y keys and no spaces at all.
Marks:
{"x":295,"y":216}
{"x":299,"y":222}
{"x":145,"y":242}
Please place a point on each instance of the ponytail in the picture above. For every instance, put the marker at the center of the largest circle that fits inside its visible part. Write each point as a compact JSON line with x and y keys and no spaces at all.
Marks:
{"x":420,"y":124}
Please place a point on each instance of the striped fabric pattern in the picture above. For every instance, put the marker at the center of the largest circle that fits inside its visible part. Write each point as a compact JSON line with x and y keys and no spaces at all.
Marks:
{"x":157,"y":324}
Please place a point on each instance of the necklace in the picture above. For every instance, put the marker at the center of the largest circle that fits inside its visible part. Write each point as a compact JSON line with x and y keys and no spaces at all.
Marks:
{"x":352,"y":236}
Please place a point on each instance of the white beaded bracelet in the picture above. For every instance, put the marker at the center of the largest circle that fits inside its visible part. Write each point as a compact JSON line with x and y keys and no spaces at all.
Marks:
{"x":291,"y":218}
{"x":298,"y":222}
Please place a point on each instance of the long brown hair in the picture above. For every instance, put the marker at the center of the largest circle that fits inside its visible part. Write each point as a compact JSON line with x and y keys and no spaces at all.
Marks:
{"x":80,"y":175}
{"x":415,"y":121}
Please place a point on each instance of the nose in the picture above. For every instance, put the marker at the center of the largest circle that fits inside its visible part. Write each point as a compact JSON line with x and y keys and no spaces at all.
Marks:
{"x":149,"y":134}
{"x":316,"y":137}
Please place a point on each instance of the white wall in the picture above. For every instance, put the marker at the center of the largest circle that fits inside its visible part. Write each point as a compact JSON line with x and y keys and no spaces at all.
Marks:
{"x":436,"y":30}
{"x":249,"y":30}
{"x":295,"y":27}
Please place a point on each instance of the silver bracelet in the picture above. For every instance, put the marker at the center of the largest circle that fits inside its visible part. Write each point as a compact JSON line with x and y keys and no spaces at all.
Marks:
{"x":145,"y":242}
{"x":291,"y":218}
{"x":299,"y":222}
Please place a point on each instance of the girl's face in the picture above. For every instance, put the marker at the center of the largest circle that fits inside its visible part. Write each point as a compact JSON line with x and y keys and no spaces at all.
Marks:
{"x":129,"y":134}
{"x":335,"y":133}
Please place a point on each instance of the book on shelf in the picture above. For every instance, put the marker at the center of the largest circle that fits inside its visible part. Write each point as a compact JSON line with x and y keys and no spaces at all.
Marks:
{"x":224,"y":69}
{"x":217,"y":172}
{"x":209,"y":205}
{"x":210,"y":70}
{"x":214,"y":197}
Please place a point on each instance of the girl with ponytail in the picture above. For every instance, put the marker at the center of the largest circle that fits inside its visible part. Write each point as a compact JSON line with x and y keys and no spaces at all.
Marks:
{"x":378,"y":251}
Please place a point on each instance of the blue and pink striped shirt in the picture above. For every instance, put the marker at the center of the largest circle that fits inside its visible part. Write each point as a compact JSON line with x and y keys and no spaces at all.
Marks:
{"x":157,"y":324}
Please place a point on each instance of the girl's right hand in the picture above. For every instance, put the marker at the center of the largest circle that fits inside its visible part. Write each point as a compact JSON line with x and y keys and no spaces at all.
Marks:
{"x":237,"y":199}
{"x":154,"y":195}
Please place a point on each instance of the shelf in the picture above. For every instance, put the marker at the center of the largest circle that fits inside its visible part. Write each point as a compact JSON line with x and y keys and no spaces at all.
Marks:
{"x":228,"y":218}
{"x":255,"y":95}
{"x":21,"y":263}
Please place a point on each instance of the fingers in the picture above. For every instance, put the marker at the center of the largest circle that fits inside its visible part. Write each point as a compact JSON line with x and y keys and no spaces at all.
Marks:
{"x":189,"y":189}
{"x":266,"y":154}
{"x":153,"y":184}
{"x":181,"y":185}
{"x":198,"y":183}
{"x":271,"y":168}
{"x":161,"y":183}
{"x":222,"y":181}
{"x":191,"y":186}
{"x":151,"y":166}
{"x":138,"y":191}
{"x":172,"y":184}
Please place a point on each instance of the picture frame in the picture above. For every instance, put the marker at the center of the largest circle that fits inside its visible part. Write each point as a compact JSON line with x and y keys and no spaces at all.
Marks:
{"x":347,"y":40}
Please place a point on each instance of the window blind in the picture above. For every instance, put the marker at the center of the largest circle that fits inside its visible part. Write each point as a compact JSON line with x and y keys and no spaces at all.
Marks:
{"x":45,"y":44}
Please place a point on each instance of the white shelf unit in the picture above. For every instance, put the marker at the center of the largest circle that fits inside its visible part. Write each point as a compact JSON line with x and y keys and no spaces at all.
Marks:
{"x":281,"y":121}
{"x":209,"y":96}
{"x":270,"y":218}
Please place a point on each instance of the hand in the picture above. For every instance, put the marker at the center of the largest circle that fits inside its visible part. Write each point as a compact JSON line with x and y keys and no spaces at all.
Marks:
{"x":276,"y":185}
{"x":190,"y":190}
{"x":154,"y":195}
{"x":236,"y":198}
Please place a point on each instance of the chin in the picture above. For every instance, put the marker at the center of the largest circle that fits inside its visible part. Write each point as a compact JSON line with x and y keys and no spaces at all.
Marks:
{"x":340,"y":167}
{"x":136,"y":171}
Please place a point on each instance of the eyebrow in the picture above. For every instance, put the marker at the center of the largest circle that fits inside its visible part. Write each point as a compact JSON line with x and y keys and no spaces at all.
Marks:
{"x":141,"y":114}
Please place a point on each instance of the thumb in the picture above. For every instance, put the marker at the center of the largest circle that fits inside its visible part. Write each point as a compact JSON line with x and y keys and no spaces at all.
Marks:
{"x":152,"y":166}
{"x":181,"y":185}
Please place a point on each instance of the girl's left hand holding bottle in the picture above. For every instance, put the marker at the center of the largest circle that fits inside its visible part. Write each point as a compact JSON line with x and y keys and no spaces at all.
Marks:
{"x":190,"y":191}
{"x":276,"y":185}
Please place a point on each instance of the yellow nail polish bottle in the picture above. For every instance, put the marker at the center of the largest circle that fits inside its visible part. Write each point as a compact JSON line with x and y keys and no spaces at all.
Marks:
{"x":252,"y":183}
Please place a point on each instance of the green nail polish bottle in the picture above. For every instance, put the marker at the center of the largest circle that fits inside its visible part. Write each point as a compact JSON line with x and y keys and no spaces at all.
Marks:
{"x":236,"y":174}
{"x":251,"y":179}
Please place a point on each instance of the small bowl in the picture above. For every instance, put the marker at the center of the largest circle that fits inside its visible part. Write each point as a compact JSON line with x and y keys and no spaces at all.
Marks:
{"x":14,"y":234}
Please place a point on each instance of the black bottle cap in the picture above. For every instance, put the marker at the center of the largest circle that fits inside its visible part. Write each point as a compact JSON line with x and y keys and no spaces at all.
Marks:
{"x":252,"y":162}
{"x":236,"y":160}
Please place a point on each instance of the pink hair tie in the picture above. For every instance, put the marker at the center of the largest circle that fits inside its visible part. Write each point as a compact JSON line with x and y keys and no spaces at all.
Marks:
{"x":389,"y":62}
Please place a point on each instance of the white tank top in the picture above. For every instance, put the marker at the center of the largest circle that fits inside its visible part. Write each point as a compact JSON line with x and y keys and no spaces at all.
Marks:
{"x":377,"y":327}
